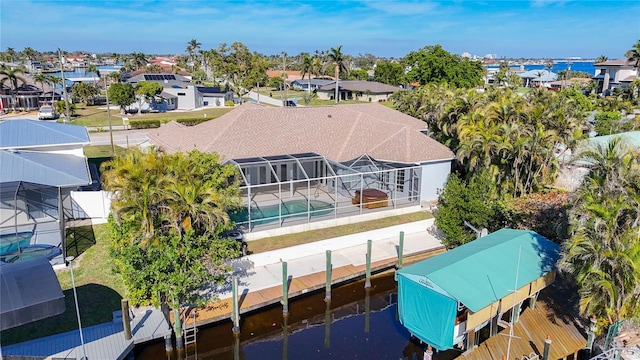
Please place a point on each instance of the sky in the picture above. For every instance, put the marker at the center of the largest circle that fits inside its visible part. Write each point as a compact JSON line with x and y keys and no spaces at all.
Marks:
{"x":385,"y":28}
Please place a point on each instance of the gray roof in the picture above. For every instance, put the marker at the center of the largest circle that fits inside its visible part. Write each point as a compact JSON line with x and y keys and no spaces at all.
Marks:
{"x":360,"y":85}
{"x":316,"y":82}
{"x":539,"y":75}
{"x":30,"y":291}
{"x":44,"y":168}
{"x":23,"y":134}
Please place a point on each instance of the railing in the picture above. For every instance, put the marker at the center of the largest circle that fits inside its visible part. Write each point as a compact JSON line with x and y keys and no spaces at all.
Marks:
{"x":611,"y":354}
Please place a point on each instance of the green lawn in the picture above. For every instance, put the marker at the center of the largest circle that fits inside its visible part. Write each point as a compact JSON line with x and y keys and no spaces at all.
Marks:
{"x":95,"y":117}
{"x":100,"y":289}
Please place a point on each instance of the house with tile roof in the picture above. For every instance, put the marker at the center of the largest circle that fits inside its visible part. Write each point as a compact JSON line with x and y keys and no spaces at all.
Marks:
{"x":41,"y":163}
{"x":301,"y":165}
{"x":371,"y":91}
{"x":613,"y":74}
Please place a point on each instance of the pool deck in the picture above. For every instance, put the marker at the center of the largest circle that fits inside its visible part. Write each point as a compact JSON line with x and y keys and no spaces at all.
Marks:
{"x":260,"y":275}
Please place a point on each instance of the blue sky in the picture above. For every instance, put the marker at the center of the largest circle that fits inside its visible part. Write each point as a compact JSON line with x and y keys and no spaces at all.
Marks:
{"x":538,"y":28}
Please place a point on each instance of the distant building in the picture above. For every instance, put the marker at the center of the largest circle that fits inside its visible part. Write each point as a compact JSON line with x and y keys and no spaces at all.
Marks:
{"x":360,"y":90}
{"x":613,"y":74}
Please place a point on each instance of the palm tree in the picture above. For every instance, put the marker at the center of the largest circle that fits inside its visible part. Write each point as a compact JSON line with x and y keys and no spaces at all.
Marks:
{"x":633,"y":55}
{"x":192,"y":49}
{"x":601,"y":59}
{"x":337,"y":59}
{"x":11,"y":53}
{"x":93,"y":69}
{"x":40,"y":78}
{"x":307,"y":67}
{"x":138,"y":60}
{"x":12,"y":76}
{"x":603,"y":252}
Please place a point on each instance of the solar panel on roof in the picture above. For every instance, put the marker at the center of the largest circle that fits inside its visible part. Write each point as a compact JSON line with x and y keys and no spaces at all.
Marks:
{"x":169,"y":77}
{"x":146,"y":77}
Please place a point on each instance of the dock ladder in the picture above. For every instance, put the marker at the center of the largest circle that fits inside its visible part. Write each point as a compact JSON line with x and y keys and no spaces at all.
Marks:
{"x":189,"y":334}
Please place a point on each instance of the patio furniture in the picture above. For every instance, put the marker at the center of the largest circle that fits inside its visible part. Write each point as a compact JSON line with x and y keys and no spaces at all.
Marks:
{"x":371,"y":199}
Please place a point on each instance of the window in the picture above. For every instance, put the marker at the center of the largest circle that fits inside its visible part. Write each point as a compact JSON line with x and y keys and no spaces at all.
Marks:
{"x":400,"y":181}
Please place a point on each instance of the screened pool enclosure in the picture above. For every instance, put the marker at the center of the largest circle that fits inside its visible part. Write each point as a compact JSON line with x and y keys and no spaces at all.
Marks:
{"x":293,"y":189}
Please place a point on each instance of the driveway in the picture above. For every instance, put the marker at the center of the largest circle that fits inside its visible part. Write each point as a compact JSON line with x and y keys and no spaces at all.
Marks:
{"x":122,"y":138}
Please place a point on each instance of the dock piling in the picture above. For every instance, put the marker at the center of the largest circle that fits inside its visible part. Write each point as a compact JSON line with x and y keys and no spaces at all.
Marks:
{"x":547,"y":346}
{"x":236,"y":311}
{"x":126,"y":321}
{"x":367,"y":280}
{"x":285,"y":289}
{"x":400,"y":249}
{"x":327,"y":290}
{"x":178,"y":329}
{"x":367,"y":309}
{"x":327,"y":324}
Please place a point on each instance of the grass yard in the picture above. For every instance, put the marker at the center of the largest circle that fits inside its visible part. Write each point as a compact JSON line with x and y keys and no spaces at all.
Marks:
{"x":100,"y":290}
{"x":95,"y":117}
{"x":279,"y":242}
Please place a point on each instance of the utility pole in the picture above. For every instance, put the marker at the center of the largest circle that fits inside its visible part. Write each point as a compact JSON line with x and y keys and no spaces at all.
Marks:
{"x":284,"y":76}
{"x":64,"y":87}
{"x":106,"y":90}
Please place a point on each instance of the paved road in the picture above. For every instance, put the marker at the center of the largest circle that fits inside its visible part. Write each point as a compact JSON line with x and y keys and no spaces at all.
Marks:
{"x":122,"y":138}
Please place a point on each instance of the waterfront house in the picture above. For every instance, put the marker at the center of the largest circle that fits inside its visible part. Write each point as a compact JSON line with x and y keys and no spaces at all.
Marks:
{"x":304,"y":165}
{"x":40,"y":164}
{"x":446,"y":300}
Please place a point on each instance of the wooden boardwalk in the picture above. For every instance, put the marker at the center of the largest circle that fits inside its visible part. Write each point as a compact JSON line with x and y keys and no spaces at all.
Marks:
{"x":252,"y":300}
{"x":531,"y":331}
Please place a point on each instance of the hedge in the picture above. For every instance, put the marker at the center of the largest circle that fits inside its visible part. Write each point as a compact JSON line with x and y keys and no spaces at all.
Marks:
{"x":144,"y":124}
{"x":194,"y":121}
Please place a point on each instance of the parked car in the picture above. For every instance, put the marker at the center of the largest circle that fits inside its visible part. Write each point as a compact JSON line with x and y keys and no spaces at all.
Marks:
{"x":46,"y":113}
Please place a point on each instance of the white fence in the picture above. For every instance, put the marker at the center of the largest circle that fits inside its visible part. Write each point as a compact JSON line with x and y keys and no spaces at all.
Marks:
{"x":94,"y":205}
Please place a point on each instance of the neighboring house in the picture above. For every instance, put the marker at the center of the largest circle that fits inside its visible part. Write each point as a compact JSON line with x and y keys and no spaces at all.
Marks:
{"x":179,"y":93}
{"x":360,"y":90}
{"x":538,"y":78}
{"x":313,"y":84}
{"x":447,"y":300}
{"x":193,"y":97}
{"x":40,"y":164}
{"x":164,"y":79}
{"x":612,"y":74}
{"x":320,"y":157}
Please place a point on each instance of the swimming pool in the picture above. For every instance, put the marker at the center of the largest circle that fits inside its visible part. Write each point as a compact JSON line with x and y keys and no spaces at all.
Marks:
{"x":13,"y":242}
{"x":292,"y":208}
{"x":31,"y":252}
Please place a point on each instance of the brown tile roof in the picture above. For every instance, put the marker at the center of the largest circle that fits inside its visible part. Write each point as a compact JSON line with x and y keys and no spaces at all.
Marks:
{"x":361,"y":85}
{"x":340,"y":133}
{"x":291,"y":74}
{"x":629,"y":78}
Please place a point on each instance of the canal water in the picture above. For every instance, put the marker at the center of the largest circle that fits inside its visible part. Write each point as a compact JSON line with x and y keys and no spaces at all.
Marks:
{"x":357,"y":324}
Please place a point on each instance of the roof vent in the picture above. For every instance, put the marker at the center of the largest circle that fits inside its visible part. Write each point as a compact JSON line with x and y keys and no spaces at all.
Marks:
{"x":329,"y":116}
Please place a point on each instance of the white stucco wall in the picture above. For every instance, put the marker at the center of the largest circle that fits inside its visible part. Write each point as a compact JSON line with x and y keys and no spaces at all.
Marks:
{"x":434,"y":177}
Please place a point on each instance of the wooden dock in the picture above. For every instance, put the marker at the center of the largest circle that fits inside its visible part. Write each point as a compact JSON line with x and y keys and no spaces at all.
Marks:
{"x":222,"y":309}
{"x":530,"y":332}
{"x":104,"y":341}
